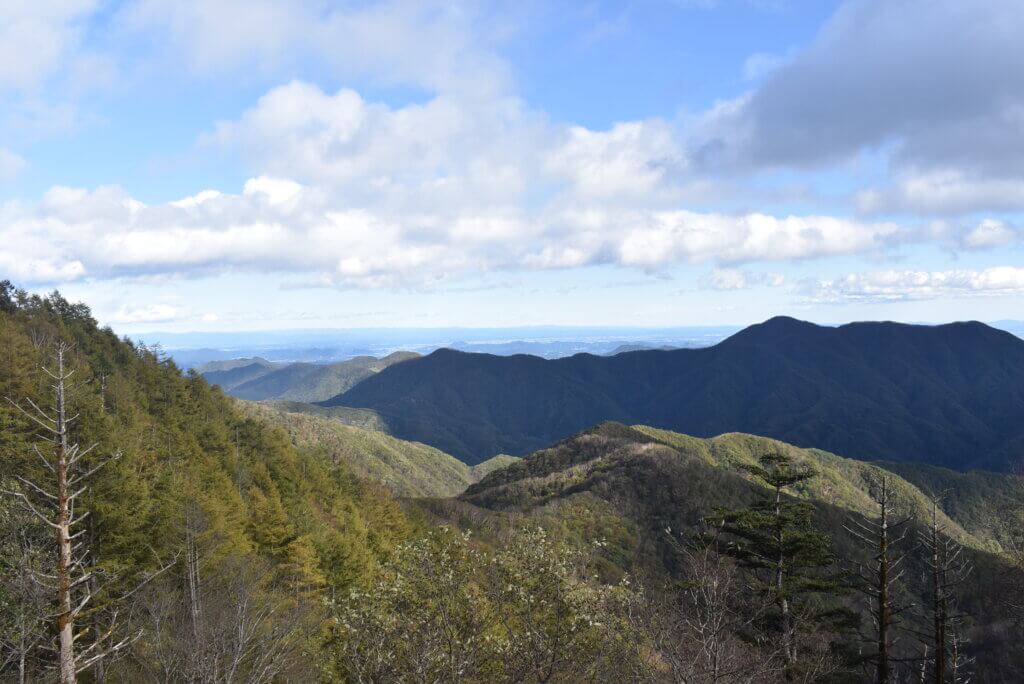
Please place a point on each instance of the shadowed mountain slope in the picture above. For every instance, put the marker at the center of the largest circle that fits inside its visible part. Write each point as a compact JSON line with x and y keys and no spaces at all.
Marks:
{"x":950,"y":395}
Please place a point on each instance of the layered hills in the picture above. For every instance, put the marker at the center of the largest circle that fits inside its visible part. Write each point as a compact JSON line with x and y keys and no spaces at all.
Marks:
{"x":258,"y":379}
{"x":949,"y":395}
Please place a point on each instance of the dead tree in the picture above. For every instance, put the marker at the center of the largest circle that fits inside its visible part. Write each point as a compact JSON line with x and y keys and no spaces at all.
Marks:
{"x":948,"y":567}
{"x":877,"y":578}
{"x":53,"y":502}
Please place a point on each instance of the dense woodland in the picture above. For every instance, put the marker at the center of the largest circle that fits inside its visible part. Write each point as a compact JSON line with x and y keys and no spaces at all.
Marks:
{"x":209,"y":544}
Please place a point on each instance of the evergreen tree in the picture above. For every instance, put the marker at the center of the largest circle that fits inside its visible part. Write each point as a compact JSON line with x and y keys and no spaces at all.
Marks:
{"x":788,"y":560}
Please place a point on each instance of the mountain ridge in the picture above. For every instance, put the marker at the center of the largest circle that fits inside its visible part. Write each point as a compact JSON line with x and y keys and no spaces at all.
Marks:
{"x":949,"y":395}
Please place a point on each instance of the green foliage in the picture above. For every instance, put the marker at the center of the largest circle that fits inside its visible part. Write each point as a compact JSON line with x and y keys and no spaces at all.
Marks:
{"x":406,"y":468}
{"x":186,"y":454}
{"x":446,"y":610}
{"x":789,"y":560}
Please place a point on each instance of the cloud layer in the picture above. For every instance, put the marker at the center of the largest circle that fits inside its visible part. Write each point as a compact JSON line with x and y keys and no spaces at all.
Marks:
{"x":912,"y":285}
{"x":277,"y":225}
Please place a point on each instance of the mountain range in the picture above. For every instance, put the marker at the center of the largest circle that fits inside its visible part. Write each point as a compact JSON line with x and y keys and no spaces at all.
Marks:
{"x":258,"y":379}
{"x":948,"y":395}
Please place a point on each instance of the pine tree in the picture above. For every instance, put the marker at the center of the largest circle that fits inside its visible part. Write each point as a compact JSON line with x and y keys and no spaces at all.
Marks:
{"x":789,"y":561}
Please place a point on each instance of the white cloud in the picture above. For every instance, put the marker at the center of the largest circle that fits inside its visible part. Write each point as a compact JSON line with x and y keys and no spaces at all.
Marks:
{"x":736,"y":279}
{"x":904,"y":285}
{"x":636,"y":158}
{"x":11,"y":165}
{"x":37,"y":37}
{"x":437,"y":44}
{"x":442,"y":151}
{"x":990,"y":233}
{"x":150,"y":313}
{"x":275,"y":225}
{"x":945,"y":191}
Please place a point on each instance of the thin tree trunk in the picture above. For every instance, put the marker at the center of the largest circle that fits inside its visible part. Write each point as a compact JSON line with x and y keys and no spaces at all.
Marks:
{"x":65,"y":617}
{"x":788,"y":639}
{"x":882,"y":673}
{"x":939,"y":603}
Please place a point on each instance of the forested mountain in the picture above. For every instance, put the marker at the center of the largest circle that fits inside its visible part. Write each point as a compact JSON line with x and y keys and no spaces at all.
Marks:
{"x":633,"y":486}
{"x":223,"y":502}
{"x":949,"y":395}
{"x":306,"y":382}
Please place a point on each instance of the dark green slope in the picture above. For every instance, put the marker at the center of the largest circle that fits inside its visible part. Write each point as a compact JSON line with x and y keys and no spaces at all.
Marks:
{"x":951,"y":395}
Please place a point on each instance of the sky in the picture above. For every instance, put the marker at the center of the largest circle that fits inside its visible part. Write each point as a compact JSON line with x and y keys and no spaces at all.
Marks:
{"x":233,"y":165}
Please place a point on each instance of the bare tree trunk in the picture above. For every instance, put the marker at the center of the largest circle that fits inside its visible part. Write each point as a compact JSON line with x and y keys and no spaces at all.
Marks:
{"x":192,"y":572}
{"x":74,"y":581}
{"x":938,"y":602}
{"x":65,"y":616}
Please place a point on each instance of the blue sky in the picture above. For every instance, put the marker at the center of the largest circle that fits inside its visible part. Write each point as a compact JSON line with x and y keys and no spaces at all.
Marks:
{"x":266,"y":164}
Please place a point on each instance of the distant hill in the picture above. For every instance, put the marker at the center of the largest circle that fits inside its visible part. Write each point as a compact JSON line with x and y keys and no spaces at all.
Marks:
{"x":949,"y":395}
{"x":231,"y":377}
{"x":406,"y":468}
{"x":231,"y":364}
{"x":636,"y":346}
{"x":261,"y":379}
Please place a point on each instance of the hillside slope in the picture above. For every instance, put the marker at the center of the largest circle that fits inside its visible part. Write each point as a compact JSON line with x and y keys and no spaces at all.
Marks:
{"x":950,"y":395}
{"x":637,"y":488}
{"x":676,"y":478}
{"x":408,"y":469}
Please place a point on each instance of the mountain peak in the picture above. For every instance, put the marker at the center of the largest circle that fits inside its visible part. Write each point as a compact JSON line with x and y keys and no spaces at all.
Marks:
{"x":775,"y":329}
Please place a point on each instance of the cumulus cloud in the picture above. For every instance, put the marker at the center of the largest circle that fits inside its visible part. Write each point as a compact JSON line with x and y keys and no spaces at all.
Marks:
{"x":636,"y":158}
{"x":277,"y":225}
{"x":909,"y":285}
